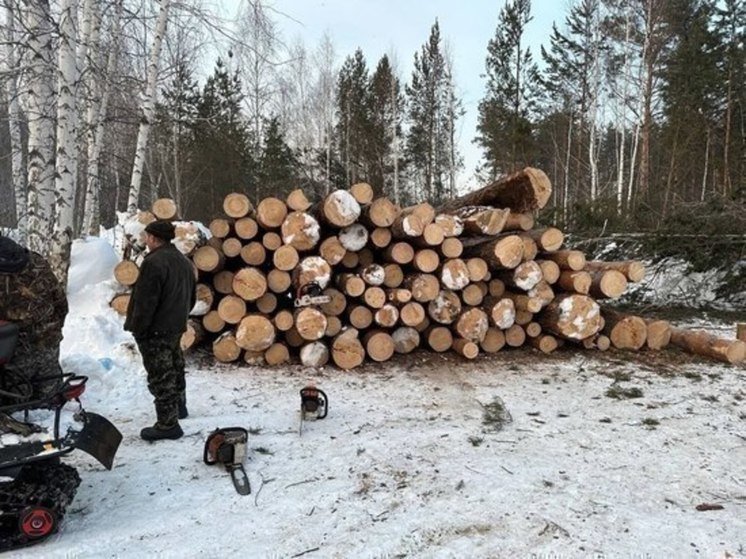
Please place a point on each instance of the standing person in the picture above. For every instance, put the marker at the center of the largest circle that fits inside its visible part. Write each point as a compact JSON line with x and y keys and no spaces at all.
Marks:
{"x":157,"y":317}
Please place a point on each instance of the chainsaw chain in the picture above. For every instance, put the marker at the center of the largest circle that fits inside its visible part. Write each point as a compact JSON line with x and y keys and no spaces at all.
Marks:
{"x":49,"y":484}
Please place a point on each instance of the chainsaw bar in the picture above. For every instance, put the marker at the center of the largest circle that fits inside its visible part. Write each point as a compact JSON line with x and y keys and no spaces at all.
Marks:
{"x":240,"y":479}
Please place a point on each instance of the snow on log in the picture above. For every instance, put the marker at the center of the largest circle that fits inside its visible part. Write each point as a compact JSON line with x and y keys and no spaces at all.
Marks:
{"x":571,"y":316}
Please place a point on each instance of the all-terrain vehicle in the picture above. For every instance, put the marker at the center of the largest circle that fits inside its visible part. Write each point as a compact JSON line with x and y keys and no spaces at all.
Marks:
{"x":35,"y":486}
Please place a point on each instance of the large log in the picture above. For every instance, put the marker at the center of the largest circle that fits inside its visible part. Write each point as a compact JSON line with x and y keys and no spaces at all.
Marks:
{"x":220,"y":227}
{"x":524,"y":277}
{"x":126,"y":272}
{"x":254,"y":253}
{"x":576,"y":282}
{"x":387,"y":316}
{"x":399,"y":253}
{"x":300,"y":230}
{"x":465,"y":348}
{"x":237,"y":205}
{"x":246,"y":228}
{"x":519,"y":222}
{"x":231,"y":247}
{"x":120,"y":302}
{"x":424,"y":211}
{"x":339,"y":209}
{"x":478,"y":269}
{"x":255,"y":333}
{"x":412,"y":314}
{"x":310,"y":323}
{"x":406,"y":339}
{"x":267,"y":303}
{"x":452,"y":247}
{"x":212,"y":322}
{"x":454,"y":274}
{"x":225,"y":349}
{"x":445,"y":308}
{"x":571,"y":316}
{"x":659,"y":334}
{"x":501,"y":311}
{"x":347,"y":351}
{"x":351,"y":284}
{"x":424,"y":287}
{"x":312,"y":269}
{"x":524,"y":191}
{"x":633,"y":270}
{"x":452,"y":225}
{"x":494,"y":340}
{"x":472,"y":295}
{"x":548,"y":239}
{"x":285,"y":258}
{"x":515,"y":336}
{"x":360,"y":316}
{"x":231,"y":309}
{"x":332,"y":250}
{"x":208,"y":259}
{"x":297,"y":201}
{"x":505,"y":252}
{"x":426,"y":260}
{"x":249,"y":284}
{"x":382,"y":212}
{"x":481,"y":220}
{"x":399,"y":296}
{"x":271,"y":212}
{"x":407,"y":226}
{"x":380,"y":237}
{"x":271,"y":240}
{"x":566,"y":259}
{"x":205,"y":297}
{"x":337,"y":302}
{"x":374,"y":297}
{"x":543,"y":292}
{"x":438,"y":338}
{"x":624,"y":331}
{"x":315,"y":354}
{"x":608,"y":284}
{"x":373,"y":274}
{"x":362,"y":192}
{"x":472,"y":325}
{"x":164,"y":209}
{"x":701,"y":343}
{"x":354,"y":237}
{"x":551,"y":271}
{"x":432,"y":236}
{"x":193,"y":335}
{"x":545,"y":343}
{"x":276,"y":354}
{"x":278,"y":281}
{"x":393,"y":275}
{"x":379,"y":345}
{"x":284,"y":320}
{"x":333,"y":326}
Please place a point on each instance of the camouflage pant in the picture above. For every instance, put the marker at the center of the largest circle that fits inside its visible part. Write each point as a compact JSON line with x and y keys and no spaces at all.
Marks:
{"x":164,"y":363}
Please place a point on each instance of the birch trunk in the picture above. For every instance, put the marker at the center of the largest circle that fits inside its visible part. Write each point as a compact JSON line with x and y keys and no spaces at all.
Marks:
{"x":40,"y":111}
{"x":14,"y":124}
{"x":66,"y":152}
{"x":95,"y":117}
{"x":147,"y":107}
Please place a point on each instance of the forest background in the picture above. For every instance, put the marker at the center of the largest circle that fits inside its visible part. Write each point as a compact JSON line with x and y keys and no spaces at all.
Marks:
{"x":636,"y":109}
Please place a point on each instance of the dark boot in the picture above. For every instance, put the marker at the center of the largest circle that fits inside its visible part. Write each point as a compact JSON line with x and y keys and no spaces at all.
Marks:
{"x":183,"y":412}
{"x":157,"y":432}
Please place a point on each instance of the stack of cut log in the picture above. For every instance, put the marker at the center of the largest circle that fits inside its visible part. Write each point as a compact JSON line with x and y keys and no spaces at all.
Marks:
{"x":473,"y":275}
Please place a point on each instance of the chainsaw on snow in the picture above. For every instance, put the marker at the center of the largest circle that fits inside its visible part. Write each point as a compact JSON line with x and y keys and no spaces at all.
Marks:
{"x":228,"y":447}
{"x":314,"y":404}
{"x":310,"y":294}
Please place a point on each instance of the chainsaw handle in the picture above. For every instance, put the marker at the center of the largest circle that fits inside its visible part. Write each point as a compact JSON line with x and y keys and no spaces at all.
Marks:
{"x":326,"y":403}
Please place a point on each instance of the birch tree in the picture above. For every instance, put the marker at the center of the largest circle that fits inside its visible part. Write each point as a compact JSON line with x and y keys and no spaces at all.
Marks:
{"x":40,"y":104}
{"x":18,"y":171}
{"x":147,"y":107}
{"x":323,"y":102}
{"x":66,"y":152}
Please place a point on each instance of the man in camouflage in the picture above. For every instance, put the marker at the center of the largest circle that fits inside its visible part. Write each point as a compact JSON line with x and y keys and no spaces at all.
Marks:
{"x":32,"y":298}
{"x":157,"y":315}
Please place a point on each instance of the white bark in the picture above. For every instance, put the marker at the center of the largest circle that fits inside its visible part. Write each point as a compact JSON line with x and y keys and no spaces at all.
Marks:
{"x":147,"y":106}
{"x":40,"y":99}
{"x":18,"y":172}
{"x":95,"y":118}
{"x":66,"y":153}
{"x":324,"y":102}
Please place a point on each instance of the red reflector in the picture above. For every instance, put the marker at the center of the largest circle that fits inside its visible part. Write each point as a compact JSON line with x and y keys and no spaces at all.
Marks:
{"x":73,"y":392}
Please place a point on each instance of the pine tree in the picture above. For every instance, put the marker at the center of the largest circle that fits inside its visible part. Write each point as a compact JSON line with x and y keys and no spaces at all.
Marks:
{"x":504,"y":128}
{"x":277,"y":164}
{"x":386,"y":114}
{"x":222,"y":144}
{"x":354,"y":120}
{"x":427,"y":145}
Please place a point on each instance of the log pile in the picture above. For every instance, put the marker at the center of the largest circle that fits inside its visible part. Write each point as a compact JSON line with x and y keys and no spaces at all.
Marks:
{"x":474,"y":275}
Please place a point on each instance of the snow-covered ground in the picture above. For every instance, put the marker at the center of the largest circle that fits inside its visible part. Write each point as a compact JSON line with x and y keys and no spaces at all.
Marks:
{"x":409,"y":461}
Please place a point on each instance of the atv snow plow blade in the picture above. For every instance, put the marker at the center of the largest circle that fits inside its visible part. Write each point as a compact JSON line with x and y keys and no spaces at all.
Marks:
{"x":99,"y":438}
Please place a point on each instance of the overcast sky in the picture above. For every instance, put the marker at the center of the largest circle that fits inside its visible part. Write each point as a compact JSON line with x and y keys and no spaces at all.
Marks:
{"x":381,"y":27}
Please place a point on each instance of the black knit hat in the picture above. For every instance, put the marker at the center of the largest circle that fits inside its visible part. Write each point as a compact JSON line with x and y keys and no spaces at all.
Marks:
{"x":162,"y":229}
{"x":13,"y":257}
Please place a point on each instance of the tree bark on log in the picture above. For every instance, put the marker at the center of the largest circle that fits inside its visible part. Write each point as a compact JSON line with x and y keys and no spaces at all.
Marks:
{"x":546,"y":343}
{"x":608,"y":284}
{"x":524,"y":191}
{"x":576,"y":282}
{"x":701,"y":343}
{"x":519,"y":222}
{"x":480,"y":220}
{"x":566,"y":259}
